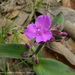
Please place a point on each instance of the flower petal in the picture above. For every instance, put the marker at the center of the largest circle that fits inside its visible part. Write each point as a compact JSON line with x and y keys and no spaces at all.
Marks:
{"x":43,"y":21}
{"x":29,"y":32}
{"x":43,"y":38}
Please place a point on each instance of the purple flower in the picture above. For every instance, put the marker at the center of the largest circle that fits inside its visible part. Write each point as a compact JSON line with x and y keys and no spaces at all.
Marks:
{"x":39,"y":30}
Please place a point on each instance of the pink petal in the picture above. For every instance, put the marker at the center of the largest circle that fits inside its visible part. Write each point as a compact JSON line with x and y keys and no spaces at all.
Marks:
{"x":29,"y":32}
{"x":43,"y":38}
{"x":43,"y":21}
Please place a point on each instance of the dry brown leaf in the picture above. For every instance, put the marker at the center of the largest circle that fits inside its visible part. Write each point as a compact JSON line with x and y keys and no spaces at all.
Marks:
{"x":21,"y":18}
{"x":29,"y":19}
{"x":69,"y":13}
{"x":58,"y":0}
{"x":66,"y":3}
{"x":72,"y":4}
{"x":22,"y":39}
{"x":9,"y":5}
{"x":72,"y":44}
{"x":13,"y":14}
{"x":70,"y":29}
{"x":46,"y":5}
{"x":48,"y":53}
{"x":69,"y":3}
{"x":20,"y":1}
{"x":50,"y":1}
{"x":1,"y":1}
{"x":4,"y":21}
{"x":61,"y":49}
{"x":66,"y":44}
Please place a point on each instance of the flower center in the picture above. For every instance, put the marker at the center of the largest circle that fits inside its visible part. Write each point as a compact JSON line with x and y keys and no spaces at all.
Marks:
{"x":38,"y":29}
{"x":40,"y":24}
{"x":44,"y":28}
{"x":34,"y":31}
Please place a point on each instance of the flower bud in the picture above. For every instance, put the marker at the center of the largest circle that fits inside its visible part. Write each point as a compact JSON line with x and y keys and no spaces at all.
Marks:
{"x":56,"y":32}
{"x":63,"y":34}
{"x":25,"y":54}
{"x":28,"y":45}
{"x":57,"y":26}
{"x":34,"y":59}
{"x":52,"y":39}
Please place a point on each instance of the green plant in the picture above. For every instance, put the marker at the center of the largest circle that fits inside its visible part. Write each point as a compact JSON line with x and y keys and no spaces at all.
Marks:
{"x":32,"y":54}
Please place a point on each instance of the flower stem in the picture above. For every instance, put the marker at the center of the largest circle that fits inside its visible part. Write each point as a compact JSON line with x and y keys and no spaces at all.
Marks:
{"x":38,"y":49}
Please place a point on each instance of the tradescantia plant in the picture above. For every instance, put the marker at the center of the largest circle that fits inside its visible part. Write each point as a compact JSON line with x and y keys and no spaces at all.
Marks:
{"x":39,"y":32}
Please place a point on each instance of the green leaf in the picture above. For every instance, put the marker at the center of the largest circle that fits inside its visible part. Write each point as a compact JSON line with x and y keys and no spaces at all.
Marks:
{"x":59,"y":19}
{"x":49,"y":66}
{"x":12,"y":50}
{"x":40,"y":54}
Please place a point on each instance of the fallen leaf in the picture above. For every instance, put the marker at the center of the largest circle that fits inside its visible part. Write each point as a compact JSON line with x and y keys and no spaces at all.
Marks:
{"x":46,"y":5}
{"x":48,"y":53}
{"x":69,"y":13}
{"x":66,"y":3}
{"x":58,"y":0}
{"x":72,"y":4}
{"x":4,"y":21}
{"x":13,"y":14}
{"x":9,"y":5}
{"x":20,"y":1}
{"x":72,"y":44}
{"x":69,"y":3}
{"x":22,"y":39}
{"x":21,"y":18}
{"x":61,"y":49}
